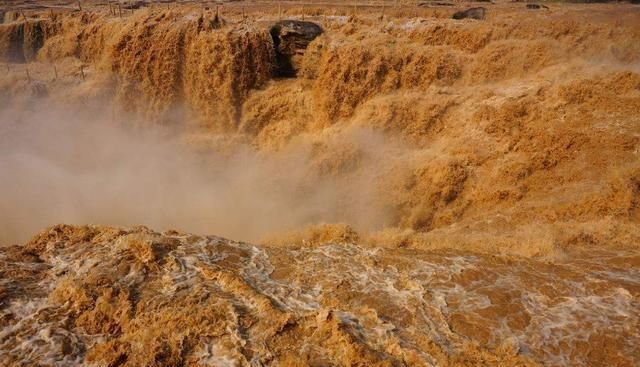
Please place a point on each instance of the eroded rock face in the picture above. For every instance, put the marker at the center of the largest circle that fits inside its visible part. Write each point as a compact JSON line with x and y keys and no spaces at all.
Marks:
{"x":134,"y":5}
{"x":471,"y":13}
{"x":290,"y":39}
{"x":110,"y":296}
{"x":536,"y":6}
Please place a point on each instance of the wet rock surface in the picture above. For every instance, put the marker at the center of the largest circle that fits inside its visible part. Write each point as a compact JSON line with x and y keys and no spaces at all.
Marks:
{"x":536,"y":6}
{"x":290,"y":39}
{"x":471,"y":13}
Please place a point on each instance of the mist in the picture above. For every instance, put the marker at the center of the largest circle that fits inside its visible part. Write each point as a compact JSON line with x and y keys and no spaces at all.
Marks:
{"x":76,"y":165}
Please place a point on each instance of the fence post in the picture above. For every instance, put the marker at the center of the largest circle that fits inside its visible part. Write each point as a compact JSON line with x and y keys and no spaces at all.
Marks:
{"x":28,"y":75}
{"x":82,"y":71}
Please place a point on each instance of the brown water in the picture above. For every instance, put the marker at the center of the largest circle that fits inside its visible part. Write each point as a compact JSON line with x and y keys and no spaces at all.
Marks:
{"x":425,"y":191}
{"x":103,"y":295}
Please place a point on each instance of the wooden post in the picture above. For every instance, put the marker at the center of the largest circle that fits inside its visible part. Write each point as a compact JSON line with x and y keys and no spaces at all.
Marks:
{"x":8,"y":68}
{"x":119,"y":10}
{"x":217,"y":19}
{"x":303,"y":12}
{"x":279,"y":10}
{"x":55,"y":71}
{"x":28,"y":75}
{"x":51,"y":13}
{"x":79,"y":5}
{"x":82,"y":71}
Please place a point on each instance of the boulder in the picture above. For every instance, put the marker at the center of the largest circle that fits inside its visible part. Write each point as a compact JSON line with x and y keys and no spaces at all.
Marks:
{"x":471,"y":13}
{"x":290,"y":40}
{"x":430,"y":3}
{"x":536,"y":6}
{"x":132,"y":5}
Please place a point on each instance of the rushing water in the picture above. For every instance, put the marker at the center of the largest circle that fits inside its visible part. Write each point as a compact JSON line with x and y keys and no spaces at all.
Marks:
{"x":98,"y":295}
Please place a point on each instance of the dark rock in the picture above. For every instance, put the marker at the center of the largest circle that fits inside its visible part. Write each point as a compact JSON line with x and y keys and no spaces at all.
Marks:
{"x":471,"y":13}
{"x":290,"y":39}
{"x":293,"y":36}
{"x":134,"y":5}
{"x":536,"y":6}
{"x":426,"y":4}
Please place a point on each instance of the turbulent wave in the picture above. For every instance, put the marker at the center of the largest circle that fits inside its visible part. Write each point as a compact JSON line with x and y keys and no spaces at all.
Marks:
{"x":115,"y":296}
{"x":421,"y":191}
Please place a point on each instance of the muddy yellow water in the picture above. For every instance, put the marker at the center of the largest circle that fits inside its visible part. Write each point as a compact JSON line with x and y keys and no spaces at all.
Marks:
{"x":108,"y":296}
{"x":417,"y":191}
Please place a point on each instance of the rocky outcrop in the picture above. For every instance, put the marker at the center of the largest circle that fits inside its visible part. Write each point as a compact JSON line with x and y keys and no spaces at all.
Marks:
{"x":471,"y":13}
{"x":290,"y":39}
{"x":536,"y":6}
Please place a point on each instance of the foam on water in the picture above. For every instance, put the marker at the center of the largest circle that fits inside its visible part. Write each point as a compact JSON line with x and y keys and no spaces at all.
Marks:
{"x":425,"y":307}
